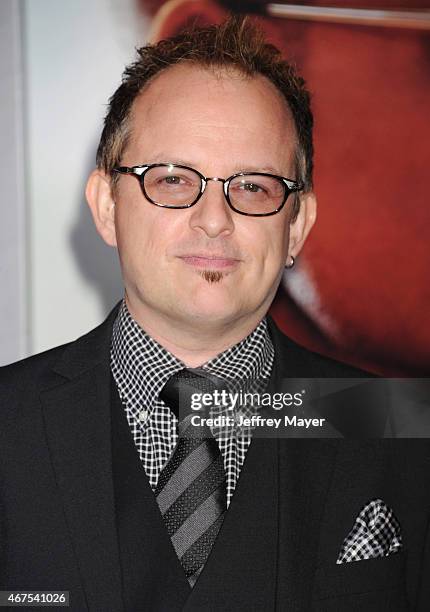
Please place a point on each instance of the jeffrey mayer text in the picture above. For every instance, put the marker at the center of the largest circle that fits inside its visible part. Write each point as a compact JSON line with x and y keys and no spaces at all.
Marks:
{"x":254,"y":421}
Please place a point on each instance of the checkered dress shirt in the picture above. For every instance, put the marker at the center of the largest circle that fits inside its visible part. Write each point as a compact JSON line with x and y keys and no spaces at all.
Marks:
{"x":141,"y":367}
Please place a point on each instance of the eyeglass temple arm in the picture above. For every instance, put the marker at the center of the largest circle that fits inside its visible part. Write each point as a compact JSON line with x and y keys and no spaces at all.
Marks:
{"x":297,"y":185}
{"x":137,"y":170}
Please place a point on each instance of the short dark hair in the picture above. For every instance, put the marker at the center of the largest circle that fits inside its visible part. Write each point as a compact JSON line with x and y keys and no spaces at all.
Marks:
{"x":238,"y":44}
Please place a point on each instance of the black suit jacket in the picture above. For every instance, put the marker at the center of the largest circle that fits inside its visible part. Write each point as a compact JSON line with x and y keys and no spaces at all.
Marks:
{"x":63,"y":528}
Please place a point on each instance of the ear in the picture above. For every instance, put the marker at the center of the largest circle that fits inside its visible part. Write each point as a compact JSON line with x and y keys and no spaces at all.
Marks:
{"x":102,"y":205}
{"x":302,"y":225}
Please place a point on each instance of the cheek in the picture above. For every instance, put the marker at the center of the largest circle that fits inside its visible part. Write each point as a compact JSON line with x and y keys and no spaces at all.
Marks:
{"x":270,"y":243}
{"x":132,"y":232}
{"x":143,"y":237}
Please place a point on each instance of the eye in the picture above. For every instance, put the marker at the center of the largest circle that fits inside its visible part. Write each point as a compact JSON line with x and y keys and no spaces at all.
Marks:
{"x":170,"y":180}
{"x":252,"y":187}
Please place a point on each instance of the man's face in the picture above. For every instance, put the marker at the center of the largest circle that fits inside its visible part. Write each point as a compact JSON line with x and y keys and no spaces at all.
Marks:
{"x":206,"y":264}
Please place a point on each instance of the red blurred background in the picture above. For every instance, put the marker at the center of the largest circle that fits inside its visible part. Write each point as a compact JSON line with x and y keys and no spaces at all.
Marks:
{"x":360,"y":290}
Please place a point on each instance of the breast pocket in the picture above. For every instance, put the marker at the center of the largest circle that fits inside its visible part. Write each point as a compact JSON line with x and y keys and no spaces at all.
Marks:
{"x":369,"y":585}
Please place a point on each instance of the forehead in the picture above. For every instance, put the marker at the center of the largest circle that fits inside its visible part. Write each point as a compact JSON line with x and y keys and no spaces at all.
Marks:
{"x":192,"y":112}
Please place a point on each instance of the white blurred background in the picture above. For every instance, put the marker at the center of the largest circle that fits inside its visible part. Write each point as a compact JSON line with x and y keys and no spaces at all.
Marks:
{"x":59,"y":64}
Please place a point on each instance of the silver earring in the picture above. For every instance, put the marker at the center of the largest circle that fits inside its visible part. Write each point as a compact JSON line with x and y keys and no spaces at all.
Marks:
{"x":291,"y":264}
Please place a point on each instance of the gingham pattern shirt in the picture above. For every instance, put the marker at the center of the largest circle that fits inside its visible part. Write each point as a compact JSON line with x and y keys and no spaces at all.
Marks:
{"x":141,"y":367}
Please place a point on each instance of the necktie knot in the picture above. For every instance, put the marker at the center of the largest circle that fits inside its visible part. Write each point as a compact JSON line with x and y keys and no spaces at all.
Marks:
{"x":179,"y":390}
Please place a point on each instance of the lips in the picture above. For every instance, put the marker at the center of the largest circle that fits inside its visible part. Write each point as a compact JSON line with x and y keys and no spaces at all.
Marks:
{"x":213,"y":262}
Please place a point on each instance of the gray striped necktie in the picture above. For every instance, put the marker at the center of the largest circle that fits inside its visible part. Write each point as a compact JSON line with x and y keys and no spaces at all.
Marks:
{"x":191,"y":489}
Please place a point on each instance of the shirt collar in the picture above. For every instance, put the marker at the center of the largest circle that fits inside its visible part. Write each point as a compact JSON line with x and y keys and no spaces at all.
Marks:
{"x":141,"y":366}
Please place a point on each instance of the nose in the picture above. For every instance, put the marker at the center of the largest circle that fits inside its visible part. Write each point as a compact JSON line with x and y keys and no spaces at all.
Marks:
{"x":212,"y":214}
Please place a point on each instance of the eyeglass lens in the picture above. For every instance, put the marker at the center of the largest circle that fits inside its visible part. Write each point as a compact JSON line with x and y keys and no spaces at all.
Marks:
{"x":174,"y":186}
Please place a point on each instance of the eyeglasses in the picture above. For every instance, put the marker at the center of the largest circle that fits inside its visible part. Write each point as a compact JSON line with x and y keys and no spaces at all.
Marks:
{"x":255,"y":194}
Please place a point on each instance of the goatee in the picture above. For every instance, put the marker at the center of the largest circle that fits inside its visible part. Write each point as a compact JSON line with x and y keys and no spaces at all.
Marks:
{"x":212,"y":276}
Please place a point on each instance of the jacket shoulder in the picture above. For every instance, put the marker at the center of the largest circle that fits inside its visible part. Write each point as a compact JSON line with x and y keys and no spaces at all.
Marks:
{"x":297,"y":360}
{"x":21,"y":384}
{"x":65,"y":361}
{"x":31,"y":369}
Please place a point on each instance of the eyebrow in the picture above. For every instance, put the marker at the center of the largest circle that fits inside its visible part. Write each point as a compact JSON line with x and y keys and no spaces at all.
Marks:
{"x":158,"y":159}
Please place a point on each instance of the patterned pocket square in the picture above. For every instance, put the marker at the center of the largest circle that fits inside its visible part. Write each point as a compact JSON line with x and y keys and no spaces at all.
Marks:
{"x":376,"y":533}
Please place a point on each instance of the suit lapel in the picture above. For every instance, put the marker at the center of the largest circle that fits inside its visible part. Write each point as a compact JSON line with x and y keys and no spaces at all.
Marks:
{"x":78,"y":429}
{"x":355,"y":409}
{"x":306,"y":468}
{"x":77,"y":418}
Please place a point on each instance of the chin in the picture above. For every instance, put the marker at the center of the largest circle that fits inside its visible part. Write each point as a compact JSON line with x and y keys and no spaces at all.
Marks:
{"x":214,"y":312}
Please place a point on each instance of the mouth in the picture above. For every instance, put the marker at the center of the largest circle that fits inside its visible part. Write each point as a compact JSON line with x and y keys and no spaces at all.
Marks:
{"x":210,"y":262}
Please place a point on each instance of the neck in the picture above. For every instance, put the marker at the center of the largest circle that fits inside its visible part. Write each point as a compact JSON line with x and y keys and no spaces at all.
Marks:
{"x":194,"y":344}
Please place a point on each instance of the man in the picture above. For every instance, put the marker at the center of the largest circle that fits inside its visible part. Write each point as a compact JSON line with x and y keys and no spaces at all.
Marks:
{"x":204,"y":184}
